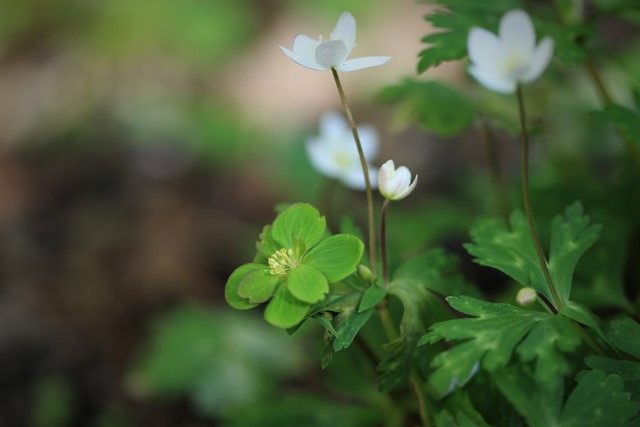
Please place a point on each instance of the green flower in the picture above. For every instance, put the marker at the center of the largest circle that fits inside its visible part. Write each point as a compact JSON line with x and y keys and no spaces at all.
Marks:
{"x":296,"y":264}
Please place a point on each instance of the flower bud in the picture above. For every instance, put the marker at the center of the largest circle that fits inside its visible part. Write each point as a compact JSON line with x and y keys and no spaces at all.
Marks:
{"x":365,"y":274}
{"x":395,"y":184}
{"x":526,"y":296}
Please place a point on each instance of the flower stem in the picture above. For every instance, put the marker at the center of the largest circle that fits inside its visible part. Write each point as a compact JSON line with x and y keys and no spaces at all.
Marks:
{"x":527,"y":202}
{"x":422,"y":404}
{"x":365,"y":171}
{"x":383,"y":242}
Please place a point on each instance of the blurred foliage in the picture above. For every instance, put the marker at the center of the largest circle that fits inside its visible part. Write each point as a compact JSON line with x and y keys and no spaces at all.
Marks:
{"x":53,"y":402}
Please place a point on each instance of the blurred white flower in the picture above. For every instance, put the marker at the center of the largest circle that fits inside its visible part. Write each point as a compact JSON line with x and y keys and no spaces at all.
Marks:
{"x":395,"y":184}
{"x":501,"y":62}
{"x":333,"y":152}
{"x":332,"y":53}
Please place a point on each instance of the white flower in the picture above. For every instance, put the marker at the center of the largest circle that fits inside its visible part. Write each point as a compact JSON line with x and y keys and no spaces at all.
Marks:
{"x":333,"y":152}
{"x":526,"y":296}
{"x":501,"y":62}
{"x":332,"y":53}
{"x":395,"y":184}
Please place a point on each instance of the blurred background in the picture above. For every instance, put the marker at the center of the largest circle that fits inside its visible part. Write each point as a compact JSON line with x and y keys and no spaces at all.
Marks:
{"x":143,"y":145}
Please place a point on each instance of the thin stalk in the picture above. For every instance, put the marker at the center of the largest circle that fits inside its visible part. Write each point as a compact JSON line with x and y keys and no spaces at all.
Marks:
{"x":527,"y":202}
{"x":383,"y":242}
{"x":422,"y":404}
{"x":365,"y":172}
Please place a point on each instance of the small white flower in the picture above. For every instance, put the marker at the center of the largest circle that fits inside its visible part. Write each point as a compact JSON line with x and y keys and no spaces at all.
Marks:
{"x":333,"y":152}
{"x":332,"y":53}
{"x":395,"y":184}
{"x":526,"y":296}
{"x":501,"y":62}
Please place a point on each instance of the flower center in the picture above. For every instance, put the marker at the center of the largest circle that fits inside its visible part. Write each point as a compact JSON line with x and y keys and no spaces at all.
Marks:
{"x":513,"y":65}
{"x":282,"y":262}
{"x":331,"y":53}
{"x":342,"y":159}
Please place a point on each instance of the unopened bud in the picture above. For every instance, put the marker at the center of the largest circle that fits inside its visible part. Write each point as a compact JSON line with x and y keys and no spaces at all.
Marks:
{"x":364,"y":273}
{"x":526,"y":296}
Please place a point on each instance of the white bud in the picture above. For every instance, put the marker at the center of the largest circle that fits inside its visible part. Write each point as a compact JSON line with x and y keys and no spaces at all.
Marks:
{"x":395,"y":184}
{"x":526,"y":296}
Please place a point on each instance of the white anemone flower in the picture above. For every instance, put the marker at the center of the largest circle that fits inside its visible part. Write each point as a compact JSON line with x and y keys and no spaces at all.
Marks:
{"x":395,"y":184}
{"x":333,"y":151}
{"x":325,"y":55}
{"x":502,"y":62}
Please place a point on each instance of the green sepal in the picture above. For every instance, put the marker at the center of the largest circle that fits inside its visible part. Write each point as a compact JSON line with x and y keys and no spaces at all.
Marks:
{"x":336,"y":257}
{"x":266,"y":245}
{"x":258,"y":285}
{"x":231,"y":288}
{"x":300,"y":221}
{"x":285,"y":310}
{"x":307,"y":284}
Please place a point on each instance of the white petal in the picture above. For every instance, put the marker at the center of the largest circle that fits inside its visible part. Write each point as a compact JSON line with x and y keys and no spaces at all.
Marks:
{"x":399,"y":182}
{"x":331,"y":53}
{"x":492,"y":80}
{"x":409,"y":189}
{"x":353,"y":178}
{"x":322,"y":159}
{"x":384,"y":175}
{"x":539,"y":61}
{"x":305,"y":46}
{"x":364,"y":62}
{"x":332,"y":125}
{"x":369,"y":141}
{"x":304,"y":61}
{"x":345,"y":30}
{"x":483,"y":47}
{"x":517,"y":33}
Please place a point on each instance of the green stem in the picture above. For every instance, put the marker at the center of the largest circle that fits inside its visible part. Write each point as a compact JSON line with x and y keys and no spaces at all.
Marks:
{"x":365,"y":172}
{"x":527,"y":202}
{"x":383,"y":242}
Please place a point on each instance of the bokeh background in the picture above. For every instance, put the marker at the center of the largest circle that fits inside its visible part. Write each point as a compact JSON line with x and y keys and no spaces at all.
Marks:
{"x":143,"y":144}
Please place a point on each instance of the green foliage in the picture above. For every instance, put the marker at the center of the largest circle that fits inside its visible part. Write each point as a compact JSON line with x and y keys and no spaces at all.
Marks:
{"x":597,"y":400}
{"x":220,"y":368}
{"x":626,"y":120}
{"x":300,"y":261}
{"x":511,"y":250}
{"x":490,"y":338}
{"x":437,"y":107}
{"x":624,"y":334}
{"x":628,"y":370}
{"x":53,"y":402}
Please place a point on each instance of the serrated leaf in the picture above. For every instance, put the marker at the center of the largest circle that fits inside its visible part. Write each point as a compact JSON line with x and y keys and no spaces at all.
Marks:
{"x":571,"y":236}
{"x":583,"y":315}
{"x":284,"y":310}
{"x":336,"y":257}
{"x":624,"y":334}
{"x":628,"y":370}
{"x":231,"y":288}
{"x":598,"y":400}
{"x":490,"y":339}
{"x":298,"y":222}
{"x":307,"y":284}
{"x":437,"y":107}
{"x":257,"y":285}
{"x":349,"y":327}
{"x":371,"y":297}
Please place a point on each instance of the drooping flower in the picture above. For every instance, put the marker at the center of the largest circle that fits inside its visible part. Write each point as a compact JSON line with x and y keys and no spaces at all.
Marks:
{"x":333,"y":151}
{"x":324,"y":55}
{"x":395,"y":184}
{"x":502,"y":62}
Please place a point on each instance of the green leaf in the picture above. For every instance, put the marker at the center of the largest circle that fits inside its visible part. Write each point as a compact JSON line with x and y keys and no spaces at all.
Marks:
{"x":490,"y":338}
{"x":583,"y":315}
{"x":571,"y":236}
{"x":544,"y":344}
{"x":307,"y":284}
{"x":437,"y":107}
{"x":336,"y":257}
{"x":300,"y":221}
{"x":231,"y":288}
{"x":371,"y":297}
{"x":624,"y":334}
{"x":285,"y":310}
{"x":509,"y":250}
{"x":437,"y":271}
{"x":258,"y":285}
{"x":626,"y":120}
{"x":598,"y":400}
{"x":349,"y":327}
{"x":628,"y":370}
